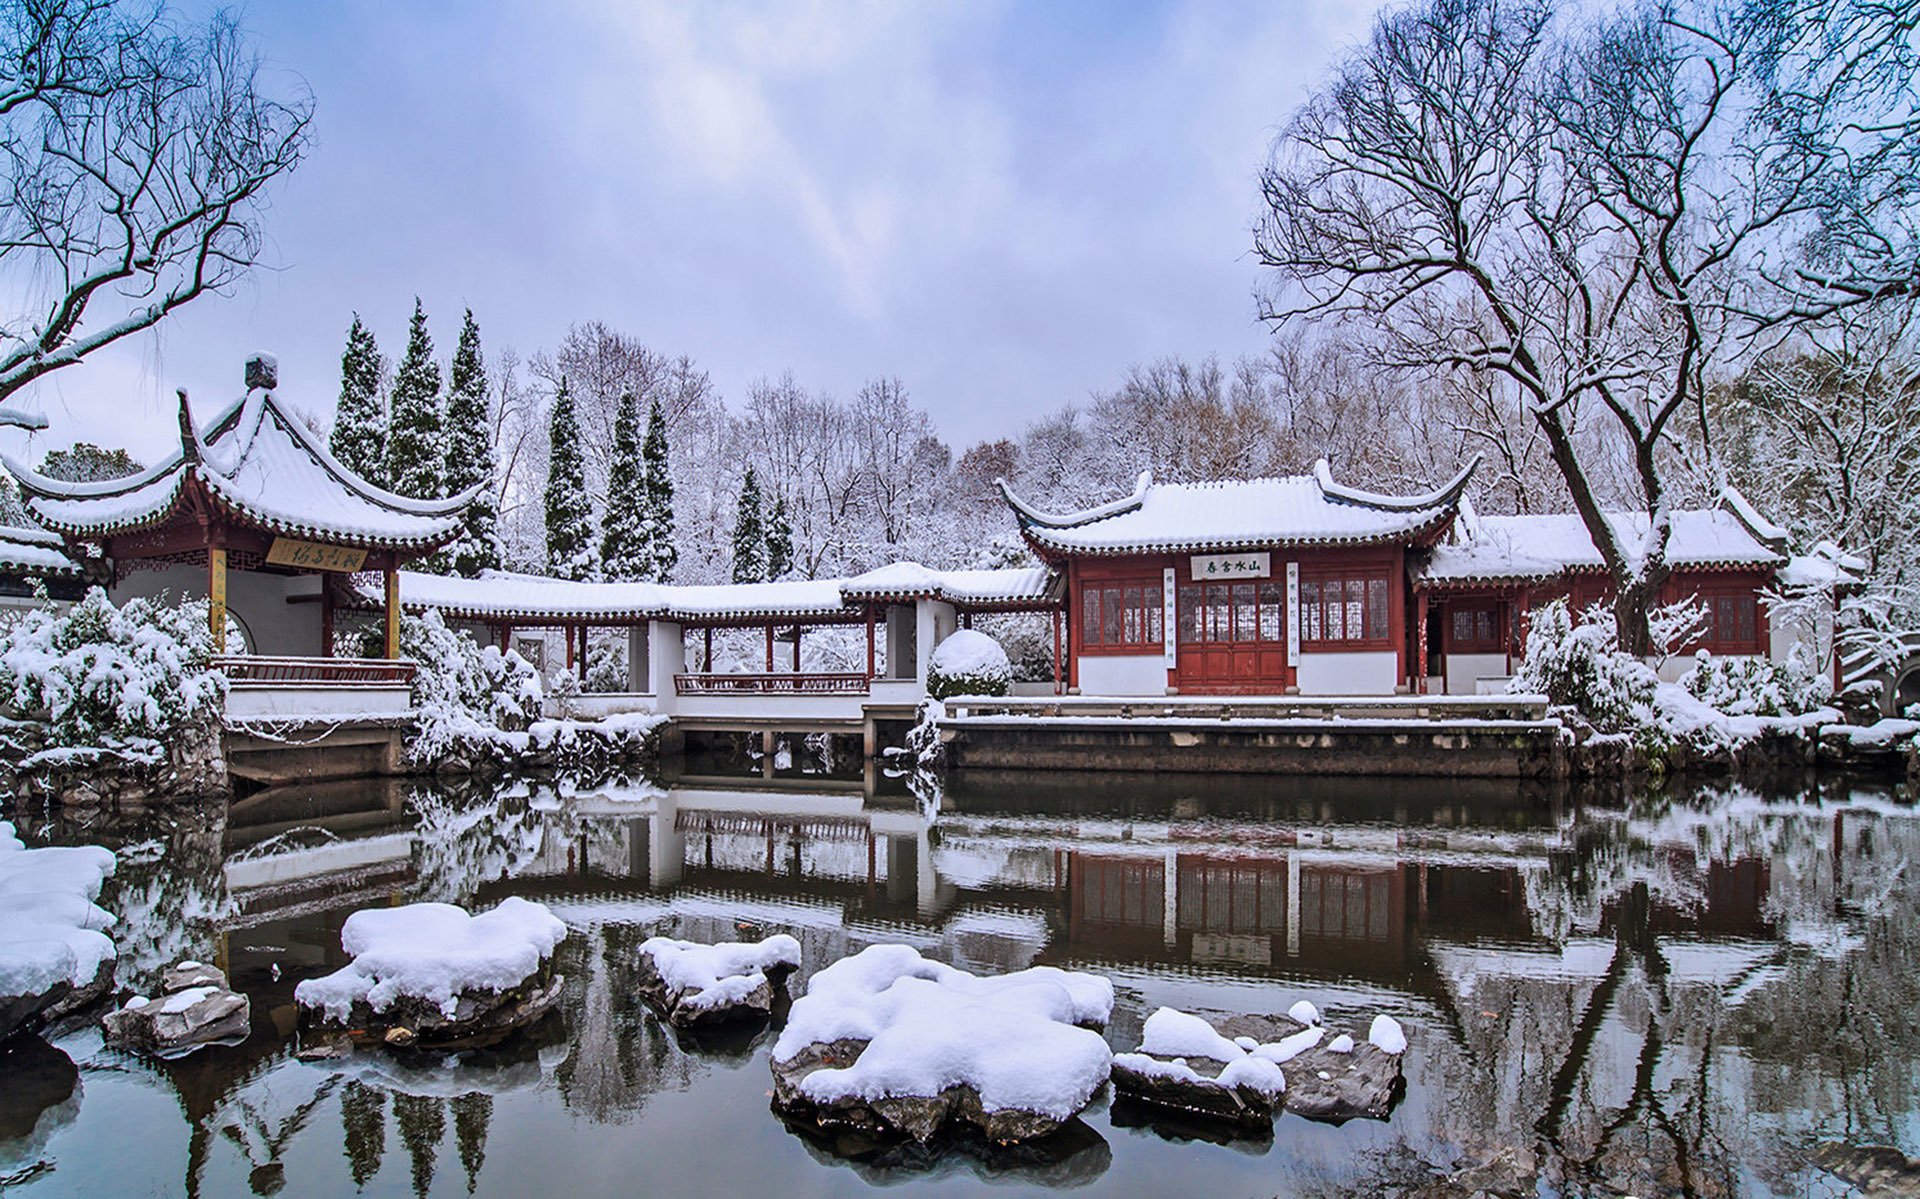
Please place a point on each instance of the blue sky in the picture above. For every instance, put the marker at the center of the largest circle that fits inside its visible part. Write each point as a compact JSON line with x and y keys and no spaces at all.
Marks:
{"x":1002,"y":204}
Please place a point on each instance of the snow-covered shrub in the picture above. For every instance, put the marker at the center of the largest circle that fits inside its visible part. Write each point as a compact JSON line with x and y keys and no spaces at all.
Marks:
{"x":463,"y":690}
{"x":608,"y":672}
{"x":118,"y":678}
{"x":1579,"y":665}
{"x":1757,"y":687}
{"x":968,"y":663}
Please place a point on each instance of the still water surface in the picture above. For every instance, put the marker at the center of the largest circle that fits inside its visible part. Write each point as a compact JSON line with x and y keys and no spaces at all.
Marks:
{"x":1681,"y":995}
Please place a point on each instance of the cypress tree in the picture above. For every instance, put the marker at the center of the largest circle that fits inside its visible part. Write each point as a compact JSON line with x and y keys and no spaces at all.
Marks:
{"x":626,"y":532}
{"x":749,"y":534}
{"x":416,"y":428}
{"x":359,"y":437}
{"x":470,"y":458}
{"x":779,"y":540}
{"x":569,"y":512}
{"x":659,"y":488}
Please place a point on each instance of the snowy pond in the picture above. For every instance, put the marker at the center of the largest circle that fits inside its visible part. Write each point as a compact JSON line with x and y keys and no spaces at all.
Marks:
{"x":1707,"y":993}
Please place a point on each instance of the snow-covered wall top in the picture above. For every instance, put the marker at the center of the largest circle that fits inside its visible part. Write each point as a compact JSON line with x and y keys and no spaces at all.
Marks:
{"x":1297,"y":510}
{"x":506,"y":595}
{"x":35,"y":552}
{"x":261,"y":465}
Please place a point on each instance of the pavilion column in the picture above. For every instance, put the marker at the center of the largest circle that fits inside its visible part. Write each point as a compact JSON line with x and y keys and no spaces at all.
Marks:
{"x":870,"y":666}
{"x":1420,"y":641}
{"x":570,"y":651}
{"x":506,"y":637}
{"x":707,"y":664}
{"x":796,"y":649}
{"x":326,"y":617}
{"x":217,"y":596}
{"x":391,"y":578}
{"x":769,"y":647}
{"x":1056,"y":651}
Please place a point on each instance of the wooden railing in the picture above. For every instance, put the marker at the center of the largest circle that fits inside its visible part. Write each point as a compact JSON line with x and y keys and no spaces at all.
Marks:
{"x":723,"y":683}
{"x":1394,"y":707}
{"x":331,"y":672}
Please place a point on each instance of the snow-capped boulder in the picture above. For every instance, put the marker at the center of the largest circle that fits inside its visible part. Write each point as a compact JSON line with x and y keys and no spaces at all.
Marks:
{"x":54,"y":958}
{"x":888,"y":1044}
{"x":194,"y":1009}
{"x":432,"y":975}
{"x":693,"y":985}
{"x":1330,"y":1076}
{"x":1184,"y":1065}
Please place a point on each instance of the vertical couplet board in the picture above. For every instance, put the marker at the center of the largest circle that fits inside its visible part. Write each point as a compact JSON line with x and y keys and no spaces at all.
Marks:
{"x":392,"y":580}
{"x":1168,"y":626}
{"x":217,"y":596}
{"x":1293,"y":614}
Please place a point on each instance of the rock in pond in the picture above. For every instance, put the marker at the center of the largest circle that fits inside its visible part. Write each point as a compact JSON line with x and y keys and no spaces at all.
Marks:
{"x":54,"y":958}
{"x":886,"y":1044}
{"x":695,"y":985}
{"x":1333,"y":1078}
{"x":193,"y":1010}
{"x":432,"y":976}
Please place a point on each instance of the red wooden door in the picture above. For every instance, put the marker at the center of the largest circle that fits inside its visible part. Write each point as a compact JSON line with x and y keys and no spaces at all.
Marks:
{"x":1232,"y":637}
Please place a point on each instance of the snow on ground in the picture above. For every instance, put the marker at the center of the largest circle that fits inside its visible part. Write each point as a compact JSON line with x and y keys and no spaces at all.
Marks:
{"x":722,"y":975}
{"x":51,"y":933}
{"x":1877,"y":735}
{"x":1013,"y":1039}
{"x":433,"y":952}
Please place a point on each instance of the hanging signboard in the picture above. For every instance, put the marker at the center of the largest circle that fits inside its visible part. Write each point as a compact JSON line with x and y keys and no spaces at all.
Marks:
{"x":314,"y":555}
{"x":1168,"y":599}
{"x":1293,"y":614}
{"x":1233,"y":566}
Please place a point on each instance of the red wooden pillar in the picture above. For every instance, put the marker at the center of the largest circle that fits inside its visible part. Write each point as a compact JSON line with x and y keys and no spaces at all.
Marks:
{"x":796,"y":649}
{"x":709,"y":663}
{"x":966,"y":620}
{"x":506,"y":637}
{"x":769,"y":647}
{"x":1420,"y":640}
{"x":870,"y":647}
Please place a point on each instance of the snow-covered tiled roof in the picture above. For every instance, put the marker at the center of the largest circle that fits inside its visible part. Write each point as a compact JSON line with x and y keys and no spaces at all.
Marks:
{"x":1248,"y":514}
{"x":1505,"y":549}
{"x":505,"y":595}
{"x":35,"y":552}
{"x":261,"y":465}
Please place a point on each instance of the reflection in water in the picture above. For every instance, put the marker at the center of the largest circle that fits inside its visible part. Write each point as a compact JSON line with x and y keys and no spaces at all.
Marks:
{"x":1683,"y":995}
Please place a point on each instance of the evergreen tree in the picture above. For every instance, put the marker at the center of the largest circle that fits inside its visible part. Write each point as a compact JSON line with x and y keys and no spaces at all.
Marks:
{"x":779,"y":540}
{"x":626,"y":531}
{"x":659,"y":489}
{"x":569,"y":512}
{"x":749,"y":534}
{"x":416,"y":422}
{"x":470,"y":458}
{"x":359,"y":438}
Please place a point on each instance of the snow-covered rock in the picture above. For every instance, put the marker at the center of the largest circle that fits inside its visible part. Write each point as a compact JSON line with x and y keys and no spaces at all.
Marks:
{"x":54,"y":958}
{"x":432,"y":974}
{"x":693,"y":984}
{"x":1185,"y":1065}
{"x":194,"y":1009}
{"x":889,"y":1044}
{"x":1387,"y":1035}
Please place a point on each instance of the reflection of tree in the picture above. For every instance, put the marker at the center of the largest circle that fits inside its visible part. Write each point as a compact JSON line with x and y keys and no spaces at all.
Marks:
{"x":363,"y":1120}
{"x":423,"y":1122}
{"x":620,"y":1057}
{"x":468,"y":836}
{"x":472,"y":1115}
{"x":263,"y":1141}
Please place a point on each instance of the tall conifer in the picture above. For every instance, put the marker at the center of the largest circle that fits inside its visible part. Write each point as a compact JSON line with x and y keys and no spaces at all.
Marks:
{"x":470,"y":459}
{"x":416,"y":431}
{"x":779,"y":540}
{"x":749,"y":534}
{"x":626,"y":532}
{"x":657,"y":468}
{"x":359,"y":437}
{"x":569,"y":512}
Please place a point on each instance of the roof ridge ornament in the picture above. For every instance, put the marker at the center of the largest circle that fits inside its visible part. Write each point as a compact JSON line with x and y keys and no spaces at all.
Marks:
{"x":189,"y":436}
{"x":1027,"y":514}
{"x":1444,"y":496}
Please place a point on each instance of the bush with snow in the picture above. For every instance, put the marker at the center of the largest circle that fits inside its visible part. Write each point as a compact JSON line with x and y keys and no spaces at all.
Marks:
{"x":463,"y":692}
{"x":1580,"y":666}
{"x":125,"y":679}
{"x":1757,"y":687}
{"x":968,"y":663}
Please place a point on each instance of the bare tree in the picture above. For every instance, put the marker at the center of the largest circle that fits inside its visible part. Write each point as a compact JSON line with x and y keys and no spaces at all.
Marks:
{"x":1574,"y":211}
{"x":138,"y":153}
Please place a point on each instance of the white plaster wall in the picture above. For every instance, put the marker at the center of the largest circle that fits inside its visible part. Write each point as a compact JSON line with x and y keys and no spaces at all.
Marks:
{"x":1129,"y":674}
{"x":900,"y":649}
{"x":934,"y":622}
{"x":895,"y":691}
{"x":1372,"y":672}
{"x":1465,"y":670}
{"x":274,"y":626}
{"x":666,"y":657}
{"x":637,"y":654}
